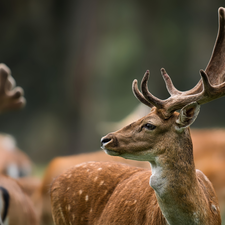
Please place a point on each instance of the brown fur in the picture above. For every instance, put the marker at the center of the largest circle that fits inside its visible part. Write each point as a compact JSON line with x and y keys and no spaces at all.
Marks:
{"x":59,"y":165}
{"x":29,"y":184}
{"x":114,"y":194}
{"x":182,"y":195}
{"x":105,"y":193}
{"x":21,"y":210}
{"x":113,"y":191}
{"x":209,"y":157}
{"x":11,"y":155}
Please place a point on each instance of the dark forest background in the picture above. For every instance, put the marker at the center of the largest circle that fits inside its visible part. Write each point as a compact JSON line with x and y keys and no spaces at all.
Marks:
{"x":76,"y":60}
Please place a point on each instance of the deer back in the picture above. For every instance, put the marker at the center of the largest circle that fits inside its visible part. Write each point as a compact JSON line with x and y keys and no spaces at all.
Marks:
{"x":105,"y":188}
{"x":113,"y":193}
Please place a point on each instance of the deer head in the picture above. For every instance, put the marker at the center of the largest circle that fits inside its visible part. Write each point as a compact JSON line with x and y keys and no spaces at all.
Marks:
{"x":148,"y":136}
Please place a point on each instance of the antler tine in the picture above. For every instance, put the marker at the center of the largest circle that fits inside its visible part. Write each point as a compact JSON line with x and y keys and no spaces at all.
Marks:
{"x":216,"y":66}
{"x":150,"y":100}
{"x":139,"y":95}
{"x":210,"y":92}
{"x":169,"y":84}
{"x":148,"y":96}
{"x":211,"y":85}
{"x":11,"y":97}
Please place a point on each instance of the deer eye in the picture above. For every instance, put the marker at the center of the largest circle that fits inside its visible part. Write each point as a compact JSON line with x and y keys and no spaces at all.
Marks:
{"x":149,"y":126}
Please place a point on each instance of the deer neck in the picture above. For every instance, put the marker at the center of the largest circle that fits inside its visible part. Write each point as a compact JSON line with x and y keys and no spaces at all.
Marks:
{"x":175,"y":183}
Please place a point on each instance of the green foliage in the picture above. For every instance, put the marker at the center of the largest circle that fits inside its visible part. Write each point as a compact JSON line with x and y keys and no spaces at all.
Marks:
{"x":76,"y":61}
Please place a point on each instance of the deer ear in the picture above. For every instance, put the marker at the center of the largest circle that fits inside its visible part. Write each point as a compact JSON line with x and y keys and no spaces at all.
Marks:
{"x":187,"y":115}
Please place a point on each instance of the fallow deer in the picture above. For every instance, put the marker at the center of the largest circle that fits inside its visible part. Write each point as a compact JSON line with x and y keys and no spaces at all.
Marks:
{"x":177,"y":193}
{"x":15,"y":205}
{"x":204,"y":140}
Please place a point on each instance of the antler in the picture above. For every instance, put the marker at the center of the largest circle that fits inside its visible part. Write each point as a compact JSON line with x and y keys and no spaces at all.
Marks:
{"x":211,"y":85}
{"x":11,"y":97}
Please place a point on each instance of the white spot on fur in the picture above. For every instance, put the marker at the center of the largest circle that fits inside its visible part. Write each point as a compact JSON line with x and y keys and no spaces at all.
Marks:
{"x":101,"y":183}
{"x":99,"y":168}
{"x":69,"y":176}
{"x":52,"y":218}
{"x":61,"y":213}
{"x":68,"y":207}
{"x":80,"y":192}
{"x":135,"y":201}
{"x":214,"y":208}
{"x":68,"y":189}
{"x":196,"y":217}
{"x":106,"y":192}
{"x":73,"y":217}
{"x":96,"y":178}
{"x":91,"y":210}
{"x":86,"y":198}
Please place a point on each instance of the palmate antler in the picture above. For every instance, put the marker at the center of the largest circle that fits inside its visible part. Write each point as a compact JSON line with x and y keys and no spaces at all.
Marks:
{"x":11,"y":97}
{"x":211,"y":85}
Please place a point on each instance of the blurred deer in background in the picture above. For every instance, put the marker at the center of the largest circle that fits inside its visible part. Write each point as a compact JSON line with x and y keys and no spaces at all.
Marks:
{"x":13,"y":162}
{"x":112,"y":193}
{"x":15,"y":205}
{"x":209,"y":157}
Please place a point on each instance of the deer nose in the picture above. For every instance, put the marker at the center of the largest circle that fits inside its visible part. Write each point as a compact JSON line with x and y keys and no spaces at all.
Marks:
{"x":106,"y":139}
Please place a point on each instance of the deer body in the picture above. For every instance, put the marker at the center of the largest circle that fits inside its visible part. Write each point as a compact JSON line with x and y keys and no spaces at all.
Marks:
{"x":110,"y":203}
{"x":121,"y":194}
{"x":177,"y":193}
{"x":203,"y":142}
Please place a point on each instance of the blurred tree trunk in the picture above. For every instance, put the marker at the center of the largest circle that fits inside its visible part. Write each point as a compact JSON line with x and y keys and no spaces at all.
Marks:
{"x":82,"y":43}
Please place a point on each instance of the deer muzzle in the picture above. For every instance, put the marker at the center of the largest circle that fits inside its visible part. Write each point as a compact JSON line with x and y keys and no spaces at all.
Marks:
{"x":109,"y":144}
